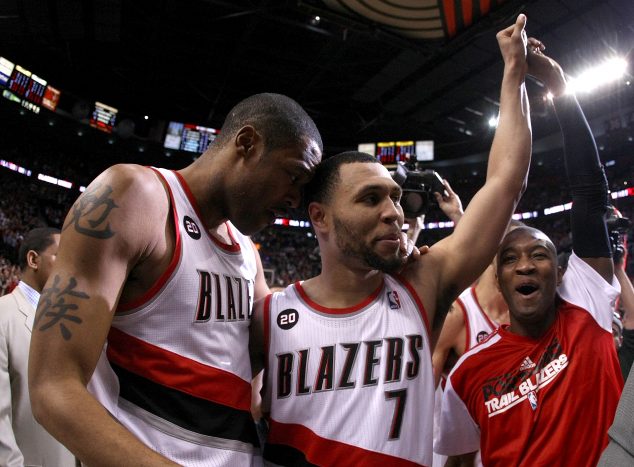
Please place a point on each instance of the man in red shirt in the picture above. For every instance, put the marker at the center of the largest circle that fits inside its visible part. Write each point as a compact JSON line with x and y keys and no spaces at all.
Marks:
{"x":543,"y":391}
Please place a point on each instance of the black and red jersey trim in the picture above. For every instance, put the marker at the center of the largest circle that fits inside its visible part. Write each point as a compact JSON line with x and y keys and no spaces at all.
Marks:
{"x":186,"y":411}
{"x":171,"y":370}
{"x":294,"y":444}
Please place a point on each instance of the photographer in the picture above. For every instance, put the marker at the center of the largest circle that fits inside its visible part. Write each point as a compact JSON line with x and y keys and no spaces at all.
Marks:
{"x":617,"y":229}
{"x":421,"y":192}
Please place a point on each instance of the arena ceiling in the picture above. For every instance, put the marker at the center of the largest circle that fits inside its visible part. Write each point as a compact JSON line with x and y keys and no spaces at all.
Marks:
{"x":366,"y":70}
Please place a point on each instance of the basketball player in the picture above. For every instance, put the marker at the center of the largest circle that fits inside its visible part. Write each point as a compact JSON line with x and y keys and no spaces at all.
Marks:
{"x":543,"y":391}
{"x":348,"y":376}
{"x":157,"y":263}
{"x":477,"y":312}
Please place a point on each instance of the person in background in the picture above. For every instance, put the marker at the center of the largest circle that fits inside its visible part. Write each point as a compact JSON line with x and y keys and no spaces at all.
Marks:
{"x":22,"y":440}
{"x":624,"y":315}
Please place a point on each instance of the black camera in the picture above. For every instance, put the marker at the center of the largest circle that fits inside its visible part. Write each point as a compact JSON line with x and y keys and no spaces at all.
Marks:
{"x":617,"y":226}
{"x":418,"y":187}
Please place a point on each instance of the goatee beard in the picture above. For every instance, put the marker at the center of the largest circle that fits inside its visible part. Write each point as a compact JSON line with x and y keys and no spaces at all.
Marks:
{"x":350,"y":247}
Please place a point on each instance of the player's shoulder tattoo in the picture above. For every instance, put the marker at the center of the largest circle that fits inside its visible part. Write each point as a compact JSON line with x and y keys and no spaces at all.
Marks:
{"x":54,"y":308}
{"x":89,"y":215}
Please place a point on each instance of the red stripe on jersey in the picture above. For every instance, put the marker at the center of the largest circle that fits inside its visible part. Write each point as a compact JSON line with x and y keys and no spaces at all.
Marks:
{"x":160,"y":282}
{"x":486,"y":317}
{"x":234,"y":247}
{"x":178,"y":372}
{"x":465,"y":318}
{"x":323,"y":451}
{"x":419,"y":302}
{"x":337,"y":311}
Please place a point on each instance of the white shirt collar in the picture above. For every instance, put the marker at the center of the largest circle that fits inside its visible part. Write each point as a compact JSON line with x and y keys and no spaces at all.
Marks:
{"x":32,"y":295}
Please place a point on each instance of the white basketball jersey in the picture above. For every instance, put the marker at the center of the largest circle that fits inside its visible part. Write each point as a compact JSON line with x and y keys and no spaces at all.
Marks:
{"x":478,"y":325}
{"x":349,"y":386}
{"x":180,"y":352}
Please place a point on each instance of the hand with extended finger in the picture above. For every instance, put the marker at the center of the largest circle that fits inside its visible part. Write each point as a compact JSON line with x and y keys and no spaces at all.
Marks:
{"x":513,"y":42}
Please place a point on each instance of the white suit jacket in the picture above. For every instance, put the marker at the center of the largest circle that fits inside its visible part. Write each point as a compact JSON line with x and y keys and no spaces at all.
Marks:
{"x":23,"y":442}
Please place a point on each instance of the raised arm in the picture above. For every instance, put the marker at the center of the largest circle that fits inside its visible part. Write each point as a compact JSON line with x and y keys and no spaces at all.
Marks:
{"x":460,"y":258}
{"x":588,"y":185}
{"x":112,"y":227}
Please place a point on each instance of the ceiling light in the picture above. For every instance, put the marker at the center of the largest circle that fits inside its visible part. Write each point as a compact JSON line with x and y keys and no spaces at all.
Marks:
{"x":493,"y":122}
{"x":606,"y":72}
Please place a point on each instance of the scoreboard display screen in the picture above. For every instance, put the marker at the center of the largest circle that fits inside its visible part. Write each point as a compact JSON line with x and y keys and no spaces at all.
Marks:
{"x":189,"y":137}
{"x":197,"y":138}
{"x":6,"y":70}
{"x":51,"y":98}
{"x":393,"y":152}
{"x":174,"y":135}
{"x":19,"y":81}
{"x":103,"y":117}
{"x":35,"y":90}
{"x":390,"y":153}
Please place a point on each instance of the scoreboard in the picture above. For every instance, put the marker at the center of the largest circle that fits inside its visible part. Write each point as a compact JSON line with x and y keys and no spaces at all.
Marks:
{"x":26,"y":88}
{"x":103,"y":117}
{"x":6,"y":69}
{"x":19,"y":80}
{"x":390,"y":153}
{"x":51,"y":98}
{"x":35,"y":90}
{"x":189,"y":137}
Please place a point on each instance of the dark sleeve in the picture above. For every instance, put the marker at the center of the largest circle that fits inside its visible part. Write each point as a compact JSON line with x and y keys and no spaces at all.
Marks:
{"x":588,"y":185}
{"x":626,"y":352}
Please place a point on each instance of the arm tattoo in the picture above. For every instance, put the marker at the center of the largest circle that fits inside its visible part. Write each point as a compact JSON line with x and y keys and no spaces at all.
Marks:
{"x":53,"y":309}
{"x":93,"y":199}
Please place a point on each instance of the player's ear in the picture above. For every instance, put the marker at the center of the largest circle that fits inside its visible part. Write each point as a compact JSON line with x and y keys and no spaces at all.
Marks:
{"x":32,"y":259}
{"x":247,"y":140}
{"x":317,"y":215}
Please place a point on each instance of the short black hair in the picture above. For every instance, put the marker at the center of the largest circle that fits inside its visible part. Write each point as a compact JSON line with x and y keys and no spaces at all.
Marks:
{"x":282,"y":122}
{"x":38,"y":240}
{"x":326,"y":177}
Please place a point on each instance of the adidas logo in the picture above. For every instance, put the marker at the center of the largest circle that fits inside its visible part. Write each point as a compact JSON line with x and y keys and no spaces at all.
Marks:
{"x":527,"y":364}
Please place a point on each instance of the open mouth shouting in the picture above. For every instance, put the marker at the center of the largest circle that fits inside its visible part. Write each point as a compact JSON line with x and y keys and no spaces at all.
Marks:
{"x":527,"y":289}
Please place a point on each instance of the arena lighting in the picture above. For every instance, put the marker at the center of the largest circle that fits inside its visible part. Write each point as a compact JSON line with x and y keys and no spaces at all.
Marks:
{"x":15,"y":167}
{"x":493,"y":122}
{"x":606,"y":72}
{"x":54,"y":181}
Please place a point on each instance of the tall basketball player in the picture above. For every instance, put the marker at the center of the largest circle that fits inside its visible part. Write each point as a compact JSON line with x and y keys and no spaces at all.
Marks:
{"x":142,"y":253}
